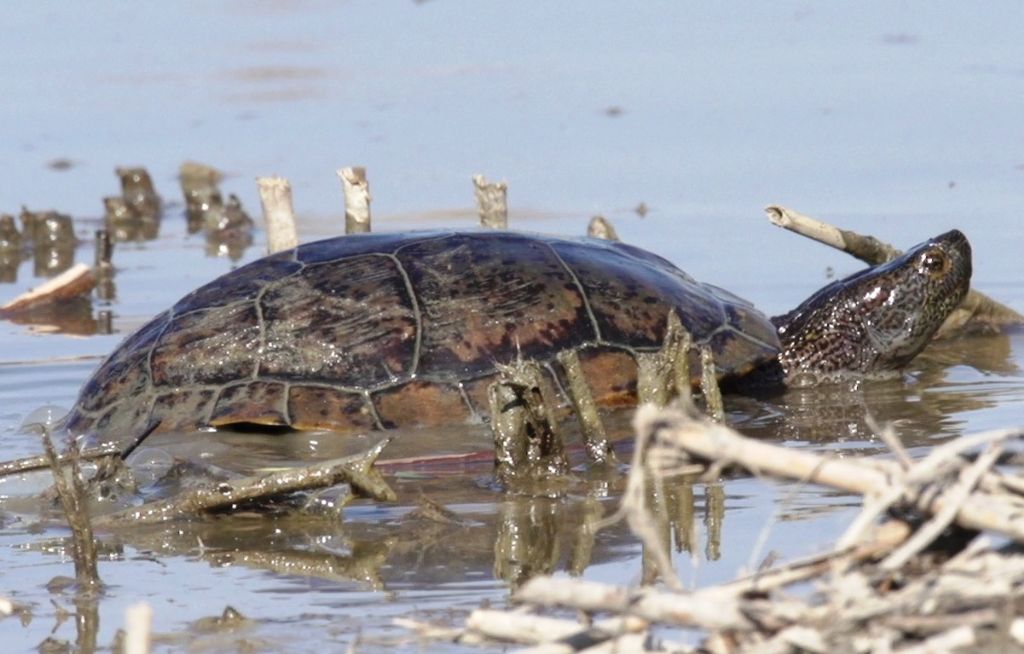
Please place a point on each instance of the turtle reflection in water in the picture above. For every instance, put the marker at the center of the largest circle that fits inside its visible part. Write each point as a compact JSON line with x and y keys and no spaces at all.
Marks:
{"x":379,"y":331}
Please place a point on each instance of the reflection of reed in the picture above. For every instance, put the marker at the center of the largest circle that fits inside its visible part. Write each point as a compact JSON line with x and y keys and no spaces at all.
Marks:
{"x":11,"y":252}
{"x":673,"y":507}
{"x":87,"y":622}
{"x":9,"y":262}
{"x":53,"y":241}
{"x":361,"y":565}
{"x":527,"y":542}
{"x":714,"y":512}
{"x":921,"y":404}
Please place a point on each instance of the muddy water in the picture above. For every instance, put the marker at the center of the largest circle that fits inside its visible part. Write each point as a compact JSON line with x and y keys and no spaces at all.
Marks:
{"x":881,"y":118}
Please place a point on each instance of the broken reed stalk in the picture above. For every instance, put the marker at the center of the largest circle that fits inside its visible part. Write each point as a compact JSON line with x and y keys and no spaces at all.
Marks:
{"x":491,"y":202}
{"x":357,"y":199}
{"x":665,"y":373}
{"x":104,"y":249}
{"x":278,"y":214}
{"x":138,"y":622}
{"x":357,"y":470}
{"x":977,"y":309}
{"x":72,"y":494}
{"x":602,"y":228}
{"x":595,"y":439}
{"x":709,"y":385}
{"x":523,"y":421}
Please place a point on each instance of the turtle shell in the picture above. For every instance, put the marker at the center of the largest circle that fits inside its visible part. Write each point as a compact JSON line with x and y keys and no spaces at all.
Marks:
{"x":378,"y":331}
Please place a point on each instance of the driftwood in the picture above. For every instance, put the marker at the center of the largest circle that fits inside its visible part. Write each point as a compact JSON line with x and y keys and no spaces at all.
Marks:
{"x":872,"y":592}
{"x":75,"y":281}
{"x":977,"y":312}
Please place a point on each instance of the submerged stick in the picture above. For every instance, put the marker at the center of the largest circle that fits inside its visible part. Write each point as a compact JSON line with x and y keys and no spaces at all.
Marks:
{"x":41,"y":461}
{"x":977,"y":309}
{"x":357,"y":199}
{"x":357,"y":470}
{"x":491,"y":202}
{"x":278,"y":214}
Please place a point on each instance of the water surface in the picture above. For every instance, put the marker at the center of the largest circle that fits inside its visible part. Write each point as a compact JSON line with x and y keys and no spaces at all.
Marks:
{"x":892,"y":119}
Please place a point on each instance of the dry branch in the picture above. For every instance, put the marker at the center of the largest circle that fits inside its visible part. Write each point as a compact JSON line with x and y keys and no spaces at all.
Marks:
{"x":357,"y":470}
{"x":713,"y":442}
{"x":976,"y":312}
{"x":864,"y":589}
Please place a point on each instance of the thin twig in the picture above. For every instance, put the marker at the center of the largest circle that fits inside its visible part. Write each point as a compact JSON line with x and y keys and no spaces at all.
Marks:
{"x":72,"y":496}
{"x":953,"y":499}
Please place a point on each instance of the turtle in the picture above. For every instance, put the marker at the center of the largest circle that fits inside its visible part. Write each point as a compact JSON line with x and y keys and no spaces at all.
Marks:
{"x":377,"y":331}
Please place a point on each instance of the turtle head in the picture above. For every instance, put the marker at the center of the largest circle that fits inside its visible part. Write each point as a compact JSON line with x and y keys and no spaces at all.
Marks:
{"x":875,"y":321}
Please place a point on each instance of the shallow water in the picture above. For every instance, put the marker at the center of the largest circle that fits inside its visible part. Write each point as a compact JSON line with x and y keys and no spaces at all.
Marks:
{"x":888,"y":119}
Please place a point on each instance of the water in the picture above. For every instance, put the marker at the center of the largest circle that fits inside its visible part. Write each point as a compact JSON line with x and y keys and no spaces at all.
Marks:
{"x":885,"y":118}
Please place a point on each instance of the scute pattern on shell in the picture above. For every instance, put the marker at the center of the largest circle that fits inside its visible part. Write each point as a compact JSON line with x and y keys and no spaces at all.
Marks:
{"x":384,"y":330}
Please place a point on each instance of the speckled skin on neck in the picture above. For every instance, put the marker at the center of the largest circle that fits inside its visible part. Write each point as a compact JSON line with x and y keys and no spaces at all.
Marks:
{"x":875,"y":321}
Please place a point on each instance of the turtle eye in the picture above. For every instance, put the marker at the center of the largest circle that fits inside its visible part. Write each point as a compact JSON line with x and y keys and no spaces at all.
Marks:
{"x":934,"y":263}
